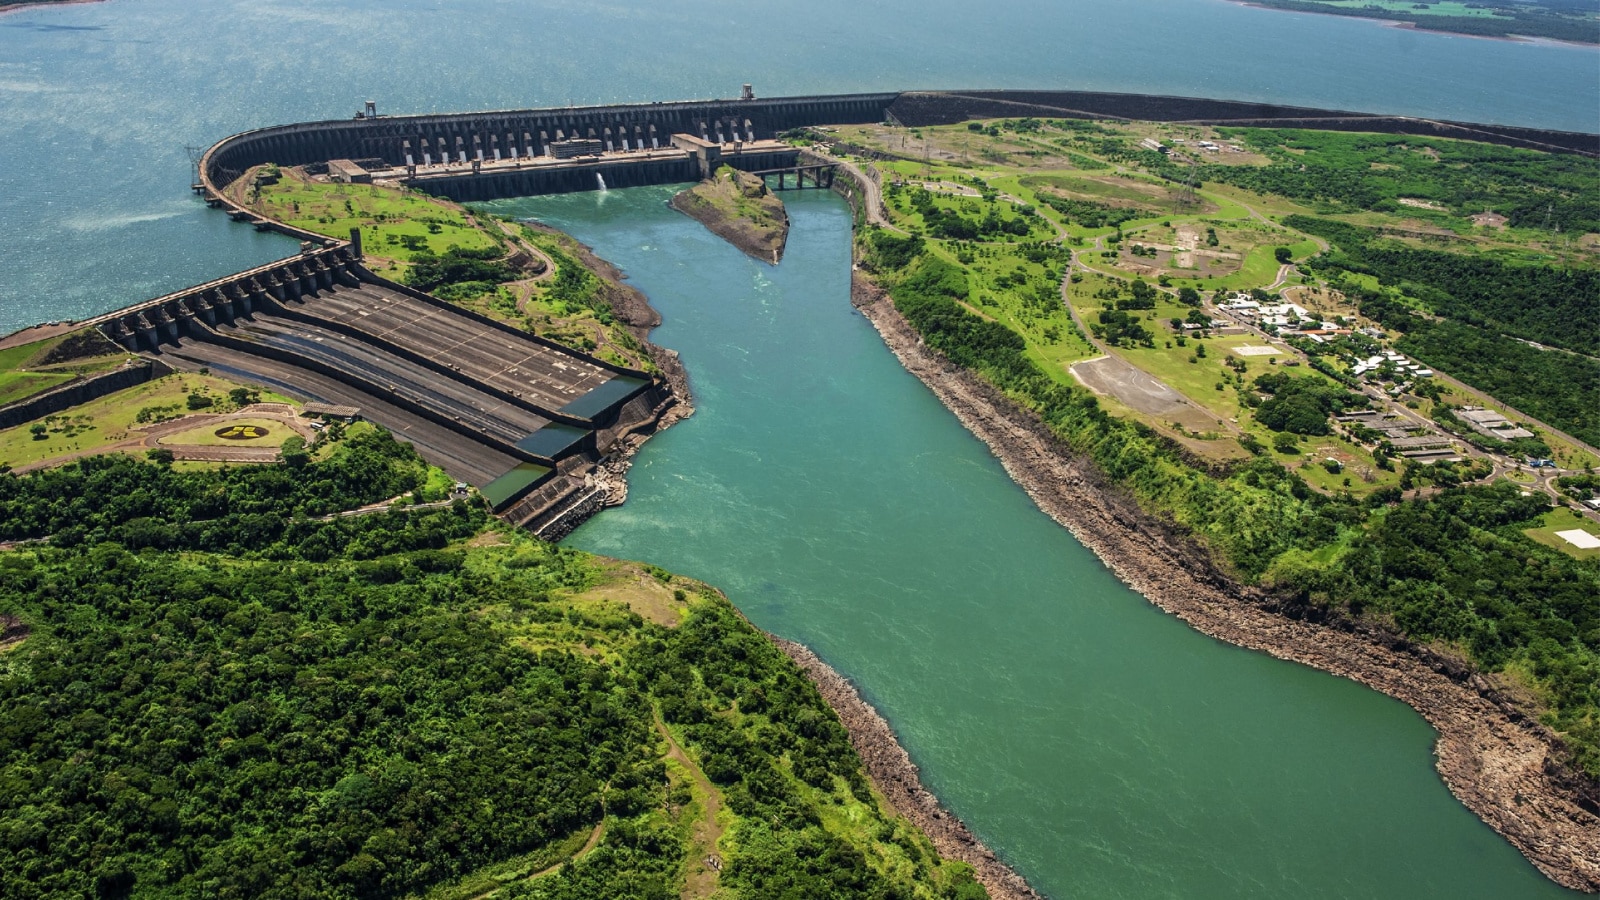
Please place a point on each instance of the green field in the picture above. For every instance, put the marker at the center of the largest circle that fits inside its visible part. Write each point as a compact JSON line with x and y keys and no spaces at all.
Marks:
{"x":206,"y":436}
{"x":1564,"y":519}
{"x":396,"y":224}
{"x":115,"y":418}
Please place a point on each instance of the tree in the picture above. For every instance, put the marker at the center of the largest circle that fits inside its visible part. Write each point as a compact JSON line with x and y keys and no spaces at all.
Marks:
{"x":1283,"y":255}
{"x":1286,"y":443}
{"x":1188,"y":296}
{"x":294,"y":452}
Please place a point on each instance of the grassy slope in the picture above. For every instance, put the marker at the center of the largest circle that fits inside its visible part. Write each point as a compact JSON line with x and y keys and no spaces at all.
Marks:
{"x":23,"y":372}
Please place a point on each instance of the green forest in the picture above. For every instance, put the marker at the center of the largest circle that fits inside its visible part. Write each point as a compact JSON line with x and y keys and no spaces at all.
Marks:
{"x":1454,"y":570}
{"x":1345,"y":172}
{"x":1561,"y":20}
{"x":218,"y":694}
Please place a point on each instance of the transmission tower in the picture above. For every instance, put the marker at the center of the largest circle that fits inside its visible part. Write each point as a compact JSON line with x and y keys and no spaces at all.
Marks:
{"x":195,"y":155}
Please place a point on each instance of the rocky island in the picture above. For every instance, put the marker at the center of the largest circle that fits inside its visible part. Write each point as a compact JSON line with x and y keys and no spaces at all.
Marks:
{"x":740,"y":209}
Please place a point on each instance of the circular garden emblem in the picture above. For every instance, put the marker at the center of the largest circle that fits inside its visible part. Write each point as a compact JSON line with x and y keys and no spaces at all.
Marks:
{"x":241,"y":432}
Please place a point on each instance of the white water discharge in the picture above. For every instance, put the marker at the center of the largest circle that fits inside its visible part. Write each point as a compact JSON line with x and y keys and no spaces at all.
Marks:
{"x":602,"y":179}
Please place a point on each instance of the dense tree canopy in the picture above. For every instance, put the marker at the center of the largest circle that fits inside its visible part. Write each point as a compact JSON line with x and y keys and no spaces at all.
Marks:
{"x":215,"y":696}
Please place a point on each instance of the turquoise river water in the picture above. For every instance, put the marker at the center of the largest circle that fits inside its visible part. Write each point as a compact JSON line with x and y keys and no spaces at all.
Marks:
{"x":1104,"y":748}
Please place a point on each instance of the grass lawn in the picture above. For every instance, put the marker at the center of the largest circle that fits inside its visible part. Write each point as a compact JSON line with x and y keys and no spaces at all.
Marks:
{"x":16,"y":386}
{"x":114,"y":418}
{"x":1563,"y":519}
{"x":395,"y":223}
{"x":22,"y":376}
{"x":274,"y":433}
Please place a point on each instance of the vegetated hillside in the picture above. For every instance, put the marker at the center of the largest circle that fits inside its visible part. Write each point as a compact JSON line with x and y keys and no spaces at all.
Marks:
{"x":1470,"y":578}
{"x":1483,"y":306}
{"x":208,"y":695}
{"x":1374,"y":171}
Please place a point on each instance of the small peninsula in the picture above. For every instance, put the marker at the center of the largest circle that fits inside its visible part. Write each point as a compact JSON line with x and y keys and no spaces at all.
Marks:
{"x":739,"y":208}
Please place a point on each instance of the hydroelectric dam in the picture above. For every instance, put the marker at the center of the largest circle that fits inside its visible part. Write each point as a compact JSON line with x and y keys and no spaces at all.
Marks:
{"x":524,"y":419}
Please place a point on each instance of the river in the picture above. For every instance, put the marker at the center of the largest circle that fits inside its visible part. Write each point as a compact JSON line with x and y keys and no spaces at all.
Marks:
{"x":1103,"y":747}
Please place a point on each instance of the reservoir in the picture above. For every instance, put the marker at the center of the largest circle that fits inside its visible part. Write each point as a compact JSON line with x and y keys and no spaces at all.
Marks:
{"x":1101,"y":746}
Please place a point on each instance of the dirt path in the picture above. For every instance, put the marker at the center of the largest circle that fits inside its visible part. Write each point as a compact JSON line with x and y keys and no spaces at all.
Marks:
{"x":705,"y":864}
{"x":588,"y":845}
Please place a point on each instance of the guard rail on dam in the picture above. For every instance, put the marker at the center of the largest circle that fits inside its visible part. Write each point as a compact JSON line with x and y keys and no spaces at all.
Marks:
{"x":505,"y":410}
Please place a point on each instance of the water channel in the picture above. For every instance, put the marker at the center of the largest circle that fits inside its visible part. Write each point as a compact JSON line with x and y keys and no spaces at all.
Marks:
{"x":1104,"y":748}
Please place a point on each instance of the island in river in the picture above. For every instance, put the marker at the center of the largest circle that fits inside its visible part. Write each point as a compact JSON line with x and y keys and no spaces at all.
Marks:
{"x":739,"y":208}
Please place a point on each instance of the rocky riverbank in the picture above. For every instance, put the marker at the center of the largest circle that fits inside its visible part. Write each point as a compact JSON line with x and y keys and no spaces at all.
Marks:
{"x":739,"y":209}
{"x":896,"y":776}
{"x":1502,"y":765}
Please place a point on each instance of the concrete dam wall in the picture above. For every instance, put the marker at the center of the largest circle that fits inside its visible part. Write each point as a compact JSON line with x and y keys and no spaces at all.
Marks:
{"x":532,"y":133}
{"x":527,"y":135}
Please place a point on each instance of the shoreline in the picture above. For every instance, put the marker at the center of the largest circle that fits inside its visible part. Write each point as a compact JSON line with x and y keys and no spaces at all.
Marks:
{"x":1504,"y":767}
{"x":896,"y":777}
{"x":1413,"y":26}
{"x":19,"y":7}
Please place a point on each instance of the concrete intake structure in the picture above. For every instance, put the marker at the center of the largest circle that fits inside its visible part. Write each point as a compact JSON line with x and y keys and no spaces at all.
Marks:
{"x":518,"y":416}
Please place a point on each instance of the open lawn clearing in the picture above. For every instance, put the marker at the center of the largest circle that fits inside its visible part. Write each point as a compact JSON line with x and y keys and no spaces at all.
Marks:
{"x":114,"y":418}
{"x":1560,"y":520}
{"x":16,"y":386}
{"x":1357,"y":473}
{"x":639,"y":588}
{"x":396,"y":223}
{"x":233,"y":431}
{"x":37,"y":366}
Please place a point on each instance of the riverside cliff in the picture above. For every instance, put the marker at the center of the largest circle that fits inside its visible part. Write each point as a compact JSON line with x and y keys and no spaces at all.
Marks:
{"x":739,"y":209}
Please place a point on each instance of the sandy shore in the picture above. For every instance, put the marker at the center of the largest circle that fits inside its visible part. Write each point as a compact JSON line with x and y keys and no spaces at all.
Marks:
{"x":1504,"y":766}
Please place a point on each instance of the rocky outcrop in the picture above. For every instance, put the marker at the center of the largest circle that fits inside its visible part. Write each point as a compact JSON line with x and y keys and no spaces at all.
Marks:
{"x":1504,"y":766}
{"x":738,"y":208}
